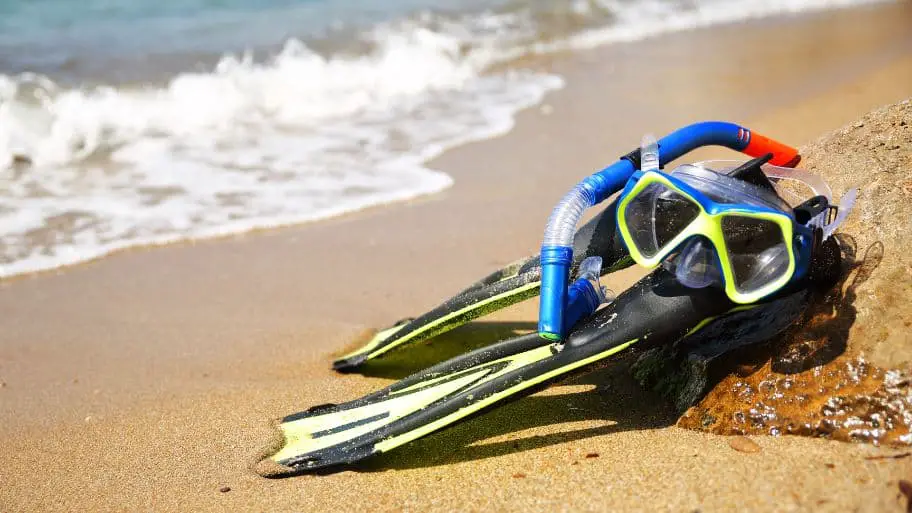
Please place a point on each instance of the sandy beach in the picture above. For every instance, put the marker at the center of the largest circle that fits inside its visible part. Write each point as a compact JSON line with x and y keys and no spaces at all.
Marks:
{"x":147,"y":380}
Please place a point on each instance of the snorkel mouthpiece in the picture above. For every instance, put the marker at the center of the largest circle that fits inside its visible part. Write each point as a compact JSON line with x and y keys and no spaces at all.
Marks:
{"x":586,"y":294}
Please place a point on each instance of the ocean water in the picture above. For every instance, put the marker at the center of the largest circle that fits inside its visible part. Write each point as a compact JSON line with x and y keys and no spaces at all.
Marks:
{"x":133,"y":122}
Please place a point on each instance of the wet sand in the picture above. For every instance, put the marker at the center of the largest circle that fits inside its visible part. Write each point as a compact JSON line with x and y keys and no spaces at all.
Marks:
{"x":146,"y":381}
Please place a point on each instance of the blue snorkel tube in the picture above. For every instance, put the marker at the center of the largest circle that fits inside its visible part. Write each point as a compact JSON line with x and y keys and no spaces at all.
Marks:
{"x":562,"y":305}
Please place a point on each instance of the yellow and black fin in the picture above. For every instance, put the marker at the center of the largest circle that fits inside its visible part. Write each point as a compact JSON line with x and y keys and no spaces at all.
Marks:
{"x":514,"y":283}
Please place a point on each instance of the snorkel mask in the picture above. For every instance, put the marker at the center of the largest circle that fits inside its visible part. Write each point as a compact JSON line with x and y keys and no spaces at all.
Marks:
{"x":752,"y":255}
{"x":711,"y":223}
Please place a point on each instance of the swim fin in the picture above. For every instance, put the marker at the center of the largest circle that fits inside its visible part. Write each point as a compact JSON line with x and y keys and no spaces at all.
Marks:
{"x":505,"y":287}
{"x":656,"y":310}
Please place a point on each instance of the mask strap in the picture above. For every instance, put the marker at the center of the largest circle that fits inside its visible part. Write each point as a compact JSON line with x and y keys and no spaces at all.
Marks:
{"x":827,"y":222}
{"x":814,"y":182}
{"x":649,"y":154}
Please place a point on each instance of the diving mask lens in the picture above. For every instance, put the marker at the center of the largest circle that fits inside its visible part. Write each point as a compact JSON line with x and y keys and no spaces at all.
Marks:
{"x":757,"y":251}
{"x":656,"y":215}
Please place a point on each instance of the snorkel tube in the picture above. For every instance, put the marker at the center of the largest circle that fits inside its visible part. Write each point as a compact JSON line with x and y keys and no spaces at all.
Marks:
{"x":560,"y":305}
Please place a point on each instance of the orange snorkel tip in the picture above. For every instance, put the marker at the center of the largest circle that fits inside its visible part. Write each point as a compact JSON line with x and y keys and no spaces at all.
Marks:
{"x":783,"y":154}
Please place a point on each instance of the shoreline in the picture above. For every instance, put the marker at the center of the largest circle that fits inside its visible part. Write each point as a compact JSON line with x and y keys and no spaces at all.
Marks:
{"x":550,"y":61}
{"x":193,"y":347}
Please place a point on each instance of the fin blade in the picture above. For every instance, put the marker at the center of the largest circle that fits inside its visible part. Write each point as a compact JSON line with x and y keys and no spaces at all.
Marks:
{"x":514,"y":283}
{"x":399,"y":414}
{"x":445,"y":317}
{"x":313,"y":433}
{"x":348,"y":427}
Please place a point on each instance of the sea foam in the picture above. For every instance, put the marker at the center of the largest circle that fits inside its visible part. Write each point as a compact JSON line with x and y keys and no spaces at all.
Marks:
{"x":298,"y":137}
{"x":249,"y":145}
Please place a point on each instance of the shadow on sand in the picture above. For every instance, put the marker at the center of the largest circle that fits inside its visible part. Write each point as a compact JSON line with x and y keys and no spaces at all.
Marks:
{"x":823,"y":333}
{"x":820,"y":335}
{"x":411,"y":358}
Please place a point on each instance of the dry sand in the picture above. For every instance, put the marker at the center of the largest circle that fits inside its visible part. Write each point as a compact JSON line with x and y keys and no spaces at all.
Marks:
{"x":146,"y":381}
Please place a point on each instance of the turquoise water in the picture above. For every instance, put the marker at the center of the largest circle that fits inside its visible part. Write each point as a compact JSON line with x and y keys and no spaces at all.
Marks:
{"x":124,"y":40}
